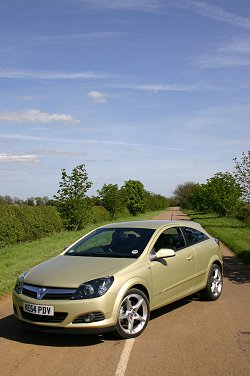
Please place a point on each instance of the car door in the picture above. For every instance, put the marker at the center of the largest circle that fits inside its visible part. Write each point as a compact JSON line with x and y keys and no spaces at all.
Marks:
{"x":172,"y":277}
{"x":204,"y":248}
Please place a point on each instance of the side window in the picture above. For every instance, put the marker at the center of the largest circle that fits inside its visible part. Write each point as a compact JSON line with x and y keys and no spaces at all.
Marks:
{"x":194,"y":236}
{"x":171,"y":238}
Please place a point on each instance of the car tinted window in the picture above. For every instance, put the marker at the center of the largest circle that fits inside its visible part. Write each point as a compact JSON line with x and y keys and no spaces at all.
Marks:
{"x":171,"y":238}
{"x":194,"y":236}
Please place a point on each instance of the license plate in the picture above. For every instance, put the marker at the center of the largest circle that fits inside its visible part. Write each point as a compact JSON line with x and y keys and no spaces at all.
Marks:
{"x":38,"y":309}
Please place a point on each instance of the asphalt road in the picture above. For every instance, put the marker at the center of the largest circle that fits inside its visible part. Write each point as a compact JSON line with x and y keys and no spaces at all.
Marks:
{"x":191,"y":337}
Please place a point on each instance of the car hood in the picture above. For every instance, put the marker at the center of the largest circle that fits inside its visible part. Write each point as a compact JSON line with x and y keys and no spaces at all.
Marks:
{"x":72,"y":271}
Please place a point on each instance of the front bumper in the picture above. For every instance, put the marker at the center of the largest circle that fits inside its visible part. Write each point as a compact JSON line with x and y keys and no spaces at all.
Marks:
{"x":70,"y":314}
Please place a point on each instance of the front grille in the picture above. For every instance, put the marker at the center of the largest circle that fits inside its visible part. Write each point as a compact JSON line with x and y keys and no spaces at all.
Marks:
{"x":51,"y":293}
{"x":57,"y":318}
{"x":97,"y":316}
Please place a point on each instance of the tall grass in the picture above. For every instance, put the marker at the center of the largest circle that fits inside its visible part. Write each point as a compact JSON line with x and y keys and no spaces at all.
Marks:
{"x":15,"y":259}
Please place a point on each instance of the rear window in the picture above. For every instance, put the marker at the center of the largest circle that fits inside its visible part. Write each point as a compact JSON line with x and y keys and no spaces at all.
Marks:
{"x":194,"y":236}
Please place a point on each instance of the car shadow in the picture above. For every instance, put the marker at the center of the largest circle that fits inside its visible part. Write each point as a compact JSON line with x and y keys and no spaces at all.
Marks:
{"x":173,"y":306}
{"x":10,"y":329}
{"x":235,"y":270}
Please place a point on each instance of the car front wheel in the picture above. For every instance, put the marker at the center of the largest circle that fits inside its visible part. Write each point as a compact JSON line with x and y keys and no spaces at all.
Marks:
{"x":214,"y":283}
{"x":133,"y":314}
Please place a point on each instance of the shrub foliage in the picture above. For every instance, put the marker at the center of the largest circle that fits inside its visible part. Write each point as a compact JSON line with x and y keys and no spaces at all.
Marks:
{"x":22,"y":223}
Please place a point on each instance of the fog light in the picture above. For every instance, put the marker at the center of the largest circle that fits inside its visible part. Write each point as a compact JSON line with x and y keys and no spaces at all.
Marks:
{"x":89,"y":318}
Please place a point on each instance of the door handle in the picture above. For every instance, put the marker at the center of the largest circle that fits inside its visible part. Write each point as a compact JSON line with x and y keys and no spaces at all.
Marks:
{"x":189,"y":257}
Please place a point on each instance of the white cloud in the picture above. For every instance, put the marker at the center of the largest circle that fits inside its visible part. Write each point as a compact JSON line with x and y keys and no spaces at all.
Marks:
{"x":37,"y":116}
{"x":97,"y":96}
{"x":139,"y":5}
{"x":232,"y":53}
{"x":55,"y":153}
{"x":219,"y":118}
{"x":156,"y":87}
{"x":90,"y":142}
{"x":25,"y":158}
{"x":221,"y":61}
{"x":214,"y":12}
{"x":28,"y":98}
{"x":47,"y":75}
{"x":79,"y":38}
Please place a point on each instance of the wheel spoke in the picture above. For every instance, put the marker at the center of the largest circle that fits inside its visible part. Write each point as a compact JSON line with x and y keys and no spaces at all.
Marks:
{"x":138,"y":304}
{"x":139,"y":318}
{"x":128,"y":304}
{"x":215,"y":274}
{"x":215,"y":290}
{"x":130,"y":324}
{"x":124,"y":315}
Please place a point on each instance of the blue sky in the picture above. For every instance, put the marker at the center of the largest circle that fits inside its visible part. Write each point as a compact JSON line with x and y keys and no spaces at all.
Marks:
{"x":152,"y":90}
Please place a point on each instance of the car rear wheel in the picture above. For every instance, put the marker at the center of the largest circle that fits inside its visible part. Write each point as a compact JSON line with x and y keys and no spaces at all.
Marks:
{"x":214,"y":283}
{"x":133,"y":314}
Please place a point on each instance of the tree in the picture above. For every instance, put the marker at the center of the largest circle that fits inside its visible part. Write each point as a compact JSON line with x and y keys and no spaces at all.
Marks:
{"x":199,"y":198}
{"x":6,"y":200}
{"x":135,"y":196}
{"x":223,"y":193}
{"x":30,"y":201}
{"x":73,"y":204}
{"x":111,"y":198}
{"x":242,"y":174}
{"x":155,"y":201}
{"x":183,"y":192}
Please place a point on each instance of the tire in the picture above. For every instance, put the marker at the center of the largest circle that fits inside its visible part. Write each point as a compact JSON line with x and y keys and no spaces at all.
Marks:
{"x":214,"y":285}
{"x":133,"y":314}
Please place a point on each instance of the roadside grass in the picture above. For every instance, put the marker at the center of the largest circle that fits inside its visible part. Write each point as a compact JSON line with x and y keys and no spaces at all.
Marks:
{"x":232,"y":232}
{"x":15,"y":259}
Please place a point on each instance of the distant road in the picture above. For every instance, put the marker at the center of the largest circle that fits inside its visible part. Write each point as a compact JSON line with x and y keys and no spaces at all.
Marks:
{"x":190,"y":337}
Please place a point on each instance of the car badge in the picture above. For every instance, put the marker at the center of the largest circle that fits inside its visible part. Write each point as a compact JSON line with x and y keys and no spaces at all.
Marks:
{"x":41,"y":292}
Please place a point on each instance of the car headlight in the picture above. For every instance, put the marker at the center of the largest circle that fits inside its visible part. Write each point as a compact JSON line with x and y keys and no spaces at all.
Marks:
{"x":93,"y":289}
{"x":19,"y":283}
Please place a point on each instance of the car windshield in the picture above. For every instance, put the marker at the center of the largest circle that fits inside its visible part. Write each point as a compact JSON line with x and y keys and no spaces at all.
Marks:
{"x":112,"y":242}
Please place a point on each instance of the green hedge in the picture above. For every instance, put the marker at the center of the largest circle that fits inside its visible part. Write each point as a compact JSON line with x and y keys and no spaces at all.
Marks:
{"x":22,"y":223}
{"x":99,"y":214}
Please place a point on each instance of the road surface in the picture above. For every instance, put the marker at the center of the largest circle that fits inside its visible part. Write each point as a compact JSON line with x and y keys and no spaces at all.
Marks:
{"x":191,"y":337}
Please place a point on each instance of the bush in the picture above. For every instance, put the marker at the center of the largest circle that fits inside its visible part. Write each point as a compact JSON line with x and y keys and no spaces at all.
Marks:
{"x":22,"y":223}
{"x":99,"y":214}
{"x":11,"y":228}
{"x":244,"y":213}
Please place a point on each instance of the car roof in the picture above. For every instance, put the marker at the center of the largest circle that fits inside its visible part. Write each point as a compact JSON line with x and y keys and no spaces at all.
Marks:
{"x":153,"y":224}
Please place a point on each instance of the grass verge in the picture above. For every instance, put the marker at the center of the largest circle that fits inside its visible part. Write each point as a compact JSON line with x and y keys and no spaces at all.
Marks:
{"x":232,"y":232}
{"x":15,"y":259}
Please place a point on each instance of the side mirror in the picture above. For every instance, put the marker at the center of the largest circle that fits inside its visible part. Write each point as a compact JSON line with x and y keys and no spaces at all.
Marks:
{"x":162,"y":253}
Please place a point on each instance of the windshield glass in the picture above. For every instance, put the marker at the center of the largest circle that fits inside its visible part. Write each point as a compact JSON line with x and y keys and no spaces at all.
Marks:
{"x":112,"y":242}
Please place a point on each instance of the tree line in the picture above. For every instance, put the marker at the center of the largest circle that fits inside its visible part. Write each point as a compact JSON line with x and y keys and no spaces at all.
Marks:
{"x":74,"y":205}
{"x":76,"y":209}
{"x":227,"y":194}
